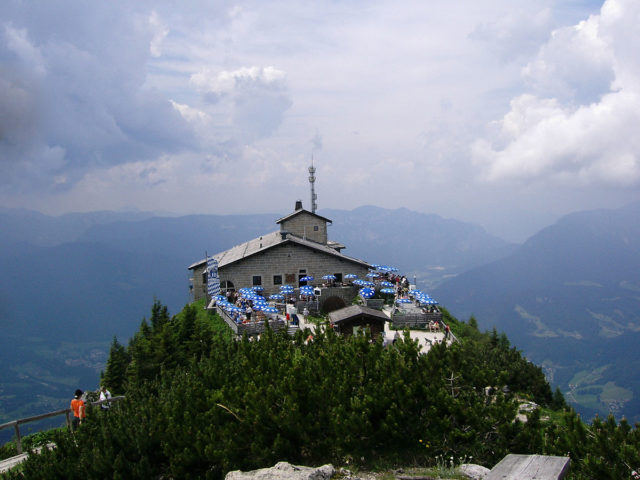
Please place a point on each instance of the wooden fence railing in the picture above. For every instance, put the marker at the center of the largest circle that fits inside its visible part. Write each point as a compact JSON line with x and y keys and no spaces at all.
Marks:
{"x":65,"y":411}
{"x":252,"y":327}
{"x":400,"y":320}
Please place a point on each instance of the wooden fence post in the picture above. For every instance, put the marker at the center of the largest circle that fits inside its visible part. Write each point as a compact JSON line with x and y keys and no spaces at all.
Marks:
{"x":68,"y":419}
{"x":18,"y":439}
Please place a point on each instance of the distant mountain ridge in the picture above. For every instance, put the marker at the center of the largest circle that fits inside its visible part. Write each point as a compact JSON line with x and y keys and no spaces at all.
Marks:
{"x":569,"y":298}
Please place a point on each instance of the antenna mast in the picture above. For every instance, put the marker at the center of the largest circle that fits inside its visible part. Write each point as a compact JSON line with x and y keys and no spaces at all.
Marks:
{"x":312,"y":181}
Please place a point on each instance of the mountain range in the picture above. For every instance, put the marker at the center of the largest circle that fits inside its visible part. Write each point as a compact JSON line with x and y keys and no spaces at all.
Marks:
{"x":569,"y":297}
{"x":74,"y":281}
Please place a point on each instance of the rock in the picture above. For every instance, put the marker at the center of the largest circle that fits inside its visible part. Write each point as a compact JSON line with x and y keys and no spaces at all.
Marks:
{"x":282,"y":471}
{"x":474,"y":472}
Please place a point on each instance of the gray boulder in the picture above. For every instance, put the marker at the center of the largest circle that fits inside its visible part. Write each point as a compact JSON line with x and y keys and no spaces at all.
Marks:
{"x":284,"y":471}
{"x":474,"y":472}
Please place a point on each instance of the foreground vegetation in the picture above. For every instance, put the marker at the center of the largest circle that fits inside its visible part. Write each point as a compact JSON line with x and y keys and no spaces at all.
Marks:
{"x":200,"y":403}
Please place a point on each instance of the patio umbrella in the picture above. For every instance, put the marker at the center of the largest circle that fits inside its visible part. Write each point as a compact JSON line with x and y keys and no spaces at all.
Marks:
{"x":328,"y":277}
{"x":386,"y":283}
{"x":366,"y":292}
{"x":387,"y":290}
{"x":286,"y":288}
{"x":307,"y":290}
{"x":373,"y":274}
{"x":368,"y":284}
{"x":403,"y":300}
{"x":307,"y":278}
{"x":257,"y":288}
{"x":276,"y":296}
{"x":359,"y":282}
{"x":270,"y":310}
{"x":351,"y":276}
{"x":260,"y":305}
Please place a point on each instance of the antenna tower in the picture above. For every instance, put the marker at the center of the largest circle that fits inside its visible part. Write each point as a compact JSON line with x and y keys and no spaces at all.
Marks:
{"x":312,"y":181}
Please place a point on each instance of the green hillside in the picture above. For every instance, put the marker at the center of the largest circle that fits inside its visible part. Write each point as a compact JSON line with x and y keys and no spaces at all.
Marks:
{"x":200,"y":403}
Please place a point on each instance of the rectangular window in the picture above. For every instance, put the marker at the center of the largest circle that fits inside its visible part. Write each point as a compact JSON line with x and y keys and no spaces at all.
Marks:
{"x":338,"y":277}
{"x":302,"y":270}
{"x":315,"y":228}
{"x":277,"y":279}
{"x":257,"y":280}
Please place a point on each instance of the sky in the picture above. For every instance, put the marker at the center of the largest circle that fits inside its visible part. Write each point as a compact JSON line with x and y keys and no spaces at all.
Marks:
{"x":505,"y":113}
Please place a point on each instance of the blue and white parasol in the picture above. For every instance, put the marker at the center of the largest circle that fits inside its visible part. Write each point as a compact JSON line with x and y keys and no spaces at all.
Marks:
{"x":366,"y":292}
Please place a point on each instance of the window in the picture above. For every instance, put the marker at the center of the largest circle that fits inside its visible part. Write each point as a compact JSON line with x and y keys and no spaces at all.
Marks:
{"x":226,"y":285}
{"x":315,"y":228}
{"x":257,"y":280}
{"x":277,"y":279}
{"x":338,"y":277}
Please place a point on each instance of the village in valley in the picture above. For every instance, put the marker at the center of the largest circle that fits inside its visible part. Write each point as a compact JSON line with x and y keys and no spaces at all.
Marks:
{"x":288,"y":278}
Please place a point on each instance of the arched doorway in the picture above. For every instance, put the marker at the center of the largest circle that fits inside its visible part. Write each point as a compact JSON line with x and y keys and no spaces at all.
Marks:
{"x":226,"y":286}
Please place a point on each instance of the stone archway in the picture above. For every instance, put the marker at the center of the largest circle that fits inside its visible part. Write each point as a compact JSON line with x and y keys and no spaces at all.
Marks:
{"x":332,"y":303}
{"x":226,"y":285}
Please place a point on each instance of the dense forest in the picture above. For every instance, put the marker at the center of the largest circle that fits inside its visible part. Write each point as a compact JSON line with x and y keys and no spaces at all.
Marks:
{"x":200,"y":403}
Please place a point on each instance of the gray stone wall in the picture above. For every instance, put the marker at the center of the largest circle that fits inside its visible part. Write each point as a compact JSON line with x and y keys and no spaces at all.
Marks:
{"x":303,"y":226}
{"x":284,"y":260}
{"x":199,"y":284}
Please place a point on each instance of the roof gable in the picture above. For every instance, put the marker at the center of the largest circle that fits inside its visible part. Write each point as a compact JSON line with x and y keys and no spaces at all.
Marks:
{"x":301,"y":211}
{"x":354,"y":311}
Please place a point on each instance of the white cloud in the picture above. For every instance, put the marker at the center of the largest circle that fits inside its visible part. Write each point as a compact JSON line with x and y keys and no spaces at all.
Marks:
{"x":579,"y":125}
{"x":160,"y":31}
{"x":253,"y":99}
{"x":141,"y":102}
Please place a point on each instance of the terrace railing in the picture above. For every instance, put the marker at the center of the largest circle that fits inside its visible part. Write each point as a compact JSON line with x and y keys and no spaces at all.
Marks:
{"x":65,"y":411}
{"x":252,"y":327}
{"x":401,"y":320}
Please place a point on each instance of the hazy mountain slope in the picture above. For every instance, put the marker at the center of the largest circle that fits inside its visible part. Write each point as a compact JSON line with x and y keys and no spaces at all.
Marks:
{"x":26,"y":226}
{"x":570,"y":298}
{"x":427,"y":246}
{"x":187,"y":237}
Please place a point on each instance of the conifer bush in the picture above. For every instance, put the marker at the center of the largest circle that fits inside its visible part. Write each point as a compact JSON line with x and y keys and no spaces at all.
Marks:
{"x":200,"y":403}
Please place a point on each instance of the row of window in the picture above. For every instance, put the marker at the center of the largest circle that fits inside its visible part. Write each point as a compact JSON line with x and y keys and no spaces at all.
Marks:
{"x":256,"y":280}
{"x":289,"y":278}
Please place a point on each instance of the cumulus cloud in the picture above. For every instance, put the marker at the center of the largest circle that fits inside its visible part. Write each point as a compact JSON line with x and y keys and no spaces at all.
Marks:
{"x":254,"y":99}
{"x":578,"y":124}
{"x":516,"y":33}
{"x":73,"y":98}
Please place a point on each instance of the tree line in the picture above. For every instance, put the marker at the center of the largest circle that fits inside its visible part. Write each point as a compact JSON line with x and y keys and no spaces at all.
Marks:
{"x":201,"y":403}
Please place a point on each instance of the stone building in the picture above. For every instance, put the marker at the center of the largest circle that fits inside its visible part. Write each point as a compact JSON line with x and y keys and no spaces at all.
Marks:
{"x":299,"y":248}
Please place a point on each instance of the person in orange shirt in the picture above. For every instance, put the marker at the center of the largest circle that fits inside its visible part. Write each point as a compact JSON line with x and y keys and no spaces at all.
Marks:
{"x":78,"y":409}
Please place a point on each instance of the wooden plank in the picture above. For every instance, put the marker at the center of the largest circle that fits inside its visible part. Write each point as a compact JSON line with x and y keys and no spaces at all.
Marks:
{"x":529,"y":467}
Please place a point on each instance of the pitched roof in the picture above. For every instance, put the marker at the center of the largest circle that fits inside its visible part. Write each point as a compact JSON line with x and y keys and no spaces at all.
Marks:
{"x":352,"y":311}
{"x":298,"y":212}
{"x":270,"y":240}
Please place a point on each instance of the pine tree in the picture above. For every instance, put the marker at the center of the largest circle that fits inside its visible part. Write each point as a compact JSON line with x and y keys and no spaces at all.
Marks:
{"x":115,"y":376}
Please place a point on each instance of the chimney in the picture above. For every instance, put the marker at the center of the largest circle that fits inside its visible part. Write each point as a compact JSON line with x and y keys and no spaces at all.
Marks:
{"x":298,"y":205}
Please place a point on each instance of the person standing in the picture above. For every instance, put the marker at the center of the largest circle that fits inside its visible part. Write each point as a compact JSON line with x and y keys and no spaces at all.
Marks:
{"x":105,"y":398}
{"x":78,"y":409}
